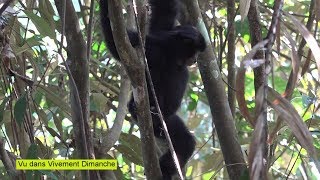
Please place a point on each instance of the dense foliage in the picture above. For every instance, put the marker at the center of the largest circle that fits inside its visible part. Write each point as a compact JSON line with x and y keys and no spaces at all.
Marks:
{"x":35,"y":112}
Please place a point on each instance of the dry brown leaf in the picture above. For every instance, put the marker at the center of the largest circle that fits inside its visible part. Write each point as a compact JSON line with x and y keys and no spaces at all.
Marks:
{"x":257,"y":164}
{"x":311,"y":41}
{"x":7,"y":54}
{"x":288,"y":113}
{"x":295,"y":68}
{"x":240,"y":86}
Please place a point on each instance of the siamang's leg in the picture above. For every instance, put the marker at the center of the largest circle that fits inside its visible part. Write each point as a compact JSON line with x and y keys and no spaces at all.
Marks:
{"x":134,"y":38}
{"x":132,"y":108}
{"x":183,"y":143}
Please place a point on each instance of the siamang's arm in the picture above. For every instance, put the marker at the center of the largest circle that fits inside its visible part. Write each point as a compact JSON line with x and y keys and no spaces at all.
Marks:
{"x":163,"y":14}
{"x":106,"y":28}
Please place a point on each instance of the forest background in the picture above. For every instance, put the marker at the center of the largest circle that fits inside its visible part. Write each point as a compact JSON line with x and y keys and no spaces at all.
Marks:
{"x":63,"y":96}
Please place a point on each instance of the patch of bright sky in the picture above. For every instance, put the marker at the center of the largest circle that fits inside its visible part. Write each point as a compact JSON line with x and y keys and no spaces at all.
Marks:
{"x":66,"y":123}
{"x":49,"y":43}
{"x":4,"y":134}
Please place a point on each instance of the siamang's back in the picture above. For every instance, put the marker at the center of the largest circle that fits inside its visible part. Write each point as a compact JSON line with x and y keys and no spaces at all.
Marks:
{"x":169,"y":78}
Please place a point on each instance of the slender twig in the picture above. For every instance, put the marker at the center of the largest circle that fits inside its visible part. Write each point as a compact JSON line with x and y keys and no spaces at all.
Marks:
{"x":5,"y":5}
{"x":90,"y":29}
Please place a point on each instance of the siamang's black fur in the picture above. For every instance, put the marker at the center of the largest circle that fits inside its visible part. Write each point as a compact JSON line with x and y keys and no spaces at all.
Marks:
{"x":169,"y":50}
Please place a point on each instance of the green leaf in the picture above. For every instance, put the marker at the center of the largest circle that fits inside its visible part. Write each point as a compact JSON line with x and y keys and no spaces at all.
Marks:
{"x":37,"y":175}
{"x":58,"y":123}
{"x":130,"y":154}
{"x":130,"y":147}
{"x":49,"y":174}
{"x":98,"y":102}
{"x":41,"y":24}
{"x":32,"y":152}
{"x":52,"y":132}
{"x":29,"y":175}
{"x":46,"y":11}
{"x":54,"y":98}
{"x":194,"y":101}
{"x":192,"y":105}
{"x":245,"y":175}
{"x":131,"y":141}
{"x":194,"y":96}
{"x":29,"y":43}
{"x":20,"y":109}
{"x":44,"y":152}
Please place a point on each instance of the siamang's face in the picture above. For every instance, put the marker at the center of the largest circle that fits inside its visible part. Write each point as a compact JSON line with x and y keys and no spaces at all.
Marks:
{"x":189,"y":42}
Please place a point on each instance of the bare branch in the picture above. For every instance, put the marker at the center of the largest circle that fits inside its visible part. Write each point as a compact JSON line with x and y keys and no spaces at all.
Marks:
{"x":113,"y":134}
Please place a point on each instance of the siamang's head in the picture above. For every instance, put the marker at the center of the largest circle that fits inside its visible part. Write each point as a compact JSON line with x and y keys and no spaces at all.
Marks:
{"x":188,"y":43}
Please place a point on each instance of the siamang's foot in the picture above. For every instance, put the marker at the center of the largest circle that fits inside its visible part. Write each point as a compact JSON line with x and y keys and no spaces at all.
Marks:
{"x":168,"y":168}
{"x":132,"y":109}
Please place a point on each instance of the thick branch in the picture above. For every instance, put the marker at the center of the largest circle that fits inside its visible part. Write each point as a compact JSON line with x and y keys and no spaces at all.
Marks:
{"x":113,"y":134}
{"x":77,"y":55}
{"x":136,"y":71}
{"x":217,"y":98}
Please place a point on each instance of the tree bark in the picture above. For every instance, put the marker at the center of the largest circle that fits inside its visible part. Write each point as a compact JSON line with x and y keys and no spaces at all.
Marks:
{"x":79,"y":88}
{"x":136,"y":71}
{"x":220,"y":110}
{"x":231,"y":10}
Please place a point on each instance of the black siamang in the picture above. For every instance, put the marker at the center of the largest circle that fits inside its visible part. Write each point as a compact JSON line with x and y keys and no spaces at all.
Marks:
{"x":169,"y":50}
